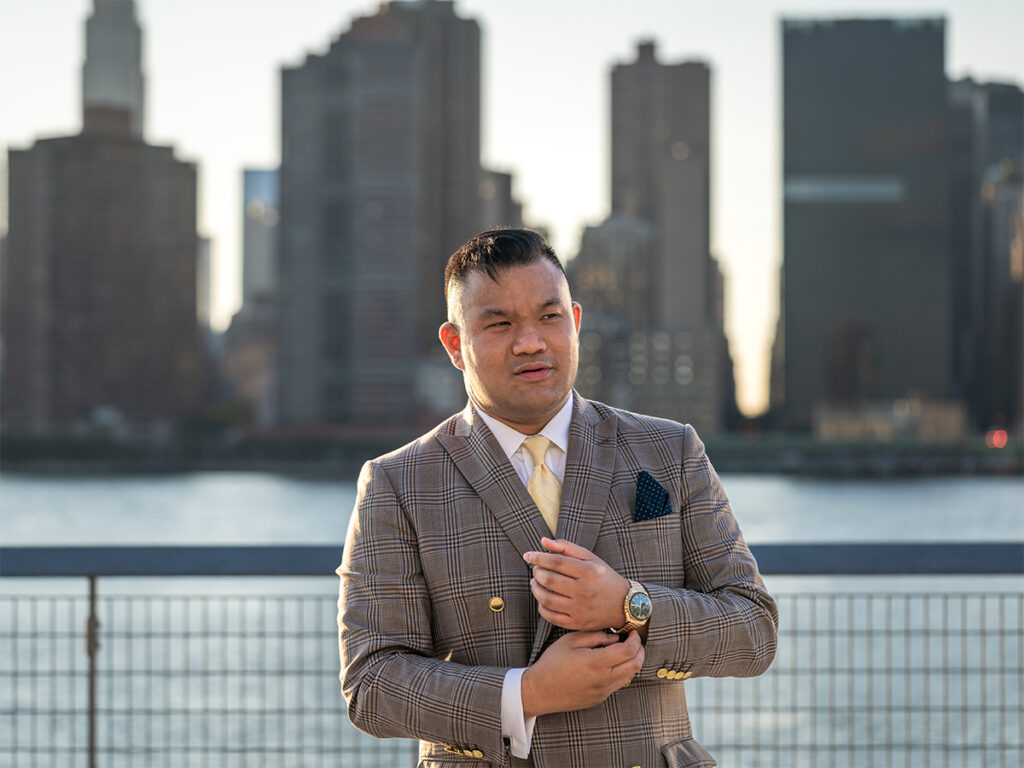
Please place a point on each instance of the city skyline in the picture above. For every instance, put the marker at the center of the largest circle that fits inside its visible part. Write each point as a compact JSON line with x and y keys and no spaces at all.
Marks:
{"x":214,"y":76}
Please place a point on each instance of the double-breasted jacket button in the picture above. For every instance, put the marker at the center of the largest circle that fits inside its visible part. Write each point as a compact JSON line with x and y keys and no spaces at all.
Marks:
{"x":477,"y":753}
{"x":496,"y":604}
{"x":663,"y":673}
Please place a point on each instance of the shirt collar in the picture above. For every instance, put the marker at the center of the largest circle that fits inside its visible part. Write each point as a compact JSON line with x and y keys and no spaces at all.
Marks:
{"x":556,"y":430}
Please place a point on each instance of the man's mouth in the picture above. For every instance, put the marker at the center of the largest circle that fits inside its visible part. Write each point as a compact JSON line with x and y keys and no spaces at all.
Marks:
{"x":533,"y":371}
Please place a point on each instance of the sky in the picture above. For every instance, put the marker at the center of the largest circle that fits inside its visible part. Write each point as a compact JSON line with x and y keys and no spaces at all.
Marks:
{"x":212,"y":72}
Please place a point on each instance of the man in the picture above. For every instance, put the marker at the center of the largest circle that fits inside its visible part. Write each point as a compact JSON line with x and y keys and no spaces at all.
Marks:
{"x":484,"y":567}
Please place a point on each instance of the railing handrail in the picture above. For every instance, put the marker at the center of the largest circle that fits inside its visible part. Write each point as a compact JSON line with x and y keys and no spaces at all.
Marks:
{"x":791,"y":559}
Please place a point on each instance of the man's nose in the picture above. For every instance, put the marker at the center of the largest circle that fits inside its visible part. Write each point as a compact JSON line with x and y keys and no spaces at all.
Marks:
{"x":528,"y":342}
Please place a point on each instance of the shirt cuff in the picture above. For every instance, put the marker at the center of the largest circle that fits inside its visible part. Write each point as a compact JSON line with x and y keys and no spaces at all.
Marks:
{"x":517,"y":728}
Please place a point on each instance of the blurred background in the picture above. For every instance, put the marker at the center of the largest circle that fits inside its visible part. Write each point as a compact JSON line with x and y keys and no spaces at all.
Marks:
{"x":223,"y":227}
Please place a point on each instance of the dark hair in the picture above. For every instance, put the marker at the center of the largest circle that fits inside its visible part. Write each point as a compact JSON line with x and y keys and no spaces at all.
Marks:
{"x":498,"y":249}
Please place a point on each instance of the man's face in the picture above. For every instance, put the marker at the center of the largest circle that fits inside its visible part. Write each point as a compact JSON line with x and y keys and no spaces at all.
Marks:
{"x":516,"y":340}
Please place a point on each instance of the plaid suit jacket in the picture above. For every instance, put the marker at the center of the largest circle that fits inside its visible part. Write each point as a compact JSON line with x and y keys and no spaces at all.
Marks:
{"x":439,"y":529}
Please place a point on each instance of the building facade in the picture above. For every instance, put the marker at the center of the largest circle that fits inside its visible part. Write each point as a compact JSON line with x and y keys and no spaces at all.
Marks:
{"x":867,"y":314}
{"x":380,"y":183}
{"x":99,"y":276}
{"x":652,"y":292}
{"x":986,"y":218}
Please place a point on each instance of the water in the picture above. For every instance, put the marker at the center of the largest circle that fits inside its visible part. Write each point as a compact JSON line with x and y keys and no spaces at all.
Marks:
{"x":257,"y":508}
{"x":250,"y":678}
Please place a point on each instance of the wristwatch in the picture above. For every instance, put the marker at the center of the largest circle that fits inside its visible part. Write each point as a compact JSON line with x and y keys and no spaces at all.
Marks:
{"x":636,"y":607}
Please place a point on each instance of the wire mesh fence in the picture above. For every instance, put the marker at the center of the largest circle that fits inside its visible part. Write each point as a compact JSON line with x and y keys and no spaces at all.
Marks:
{"x":219,"y":680}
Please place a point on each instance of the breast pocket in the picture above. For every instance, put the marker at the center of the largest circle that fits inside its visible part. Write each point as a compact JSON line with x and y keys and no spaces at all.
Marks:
{"x":646,"y":550}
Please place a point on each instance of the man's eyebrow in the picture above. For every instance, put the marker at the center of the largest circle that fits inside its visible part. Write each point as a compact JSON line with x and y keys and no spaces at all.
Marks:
{"x":492,"y":312}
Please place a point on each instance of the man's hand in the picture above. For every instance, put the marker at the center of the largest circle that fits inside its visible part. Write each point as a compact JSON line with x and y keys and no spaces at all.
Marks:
{"x":576,"y":589}
{"x":580,"y":670}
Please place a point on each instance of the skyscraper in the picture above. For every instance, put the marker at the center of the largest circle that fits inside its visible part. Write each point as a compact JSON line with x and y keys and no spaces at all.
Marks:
{"x":99,"y":305}
{"x":260,"y":217}
{"x":987,"y":220}
{"x":867,"y":311}
{"x":663,"y":350}
{"x":112,"y":77}
{"x":249,"y":358}
{"x":380,"y":182}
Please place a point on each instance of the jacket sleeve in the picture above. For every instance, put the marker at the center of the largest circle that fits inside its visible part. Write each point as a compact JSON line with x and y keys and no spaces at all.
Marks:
{"x":723,"y":622}
{"x":392,"y":681}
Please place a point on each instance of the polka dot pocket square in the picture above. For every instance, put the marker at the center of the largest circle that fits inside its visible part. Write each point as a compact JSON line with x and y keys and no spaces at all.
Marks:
{"x":651,"y":498}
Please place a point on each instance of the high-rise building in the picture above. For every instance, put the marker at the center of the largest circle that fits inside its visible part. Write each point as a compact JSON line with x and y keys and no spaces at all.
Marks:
{"x":867,"y":314}
{"x":249,"y":359}
{"x":112,"y":79}
{"x":987,"y":173}
{"x":204,"y":282}
{"x":380,"y":177}
{"x":652,"y":293}
{"x":260,"y":217}
{"x":99,"y":289}
{"x":500,"y":207}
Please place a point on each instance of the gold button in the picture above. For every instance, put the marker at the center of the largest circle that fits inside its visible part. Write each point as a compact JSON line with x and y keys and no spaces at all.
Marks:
{"x":497,"y":604}
{"x":477,"y":753}
{"x":686,"y":675}
{"x":677,"y":676}
{"x":662,"y":672}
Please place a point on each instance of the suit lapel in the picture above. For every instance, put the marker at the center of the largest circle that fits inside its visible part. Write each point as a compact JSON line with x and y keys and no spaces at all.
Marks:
{"x":588,"y":473}
{"x":478,"y":456}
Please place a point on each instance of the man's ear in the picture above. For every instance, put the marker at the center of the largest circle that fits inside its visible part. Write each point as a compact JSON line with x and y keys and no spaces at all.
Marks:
{"x":449,"y":335}
{"x":577,"y":313}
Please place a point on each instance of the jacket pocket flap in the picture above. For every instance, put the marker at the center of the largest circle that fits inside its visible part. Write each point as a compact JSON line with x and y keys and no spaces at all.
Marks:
{"x":687,"y":753}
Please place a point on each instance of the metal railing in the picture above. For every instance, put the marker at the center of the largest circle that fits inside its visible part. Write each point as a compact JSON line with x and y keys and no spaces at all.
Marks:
{"x":868,"y":678}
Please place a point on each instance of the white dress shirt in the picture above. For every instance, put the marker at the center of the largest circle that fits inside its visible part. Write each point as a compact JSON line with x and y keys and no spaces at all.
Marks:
{"x":514,"y":724}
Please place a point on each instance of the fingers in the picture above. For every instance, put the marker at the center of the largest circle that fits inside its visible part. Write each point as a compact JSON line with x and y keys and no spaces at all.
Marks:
{"x":563,"y":620}
{"x":622,"y":653}
{"x":635,"y":657}
{"x":550,"y":600}
{"x":555,"y":582}
{"x":567,"y":548}
{"x":592,"y":639}
{"x":569,"y":566}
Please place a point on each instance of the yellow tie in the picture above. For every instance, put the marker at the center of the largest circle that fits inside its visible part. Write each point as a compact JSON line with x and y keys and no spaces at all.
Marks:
{"x":543,"y":485}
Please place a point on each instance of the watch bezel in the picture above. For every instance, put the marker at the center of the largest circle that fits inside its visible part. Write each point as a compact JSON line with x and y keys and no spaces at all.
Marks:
{"x":646,"y":608}
{"x":632,"y":622}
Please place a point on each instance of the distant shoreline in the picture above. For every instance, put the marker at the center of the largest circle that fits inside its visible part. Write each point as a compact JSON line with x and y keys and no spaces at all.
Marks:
{"x":730,"y":454}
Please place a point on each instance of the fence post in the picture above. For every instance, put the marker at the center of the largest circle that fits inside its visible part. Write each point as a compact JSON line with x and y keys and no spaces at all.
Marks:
{"x":92,"y":646}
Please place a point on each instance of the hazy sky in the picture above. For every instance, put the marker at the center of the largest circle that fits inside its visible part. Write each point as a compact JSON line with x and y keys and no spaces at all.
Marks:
{"x":213,"y":92}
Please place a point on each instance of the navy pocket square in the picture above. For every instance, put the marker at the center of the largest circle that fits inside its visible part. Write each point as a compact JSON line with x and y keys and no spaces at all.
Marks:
{"x":651,"y":498}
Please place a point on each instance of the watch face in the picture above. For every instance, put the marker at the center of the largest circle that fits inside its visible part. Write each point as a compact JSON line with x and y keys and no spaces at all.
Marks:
{"x":640,"y":607}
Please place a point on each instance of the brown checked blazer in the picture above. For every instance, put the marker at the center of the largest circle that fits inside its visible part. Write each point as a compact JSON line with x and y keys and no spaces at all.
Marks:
{"x":439,"y":530}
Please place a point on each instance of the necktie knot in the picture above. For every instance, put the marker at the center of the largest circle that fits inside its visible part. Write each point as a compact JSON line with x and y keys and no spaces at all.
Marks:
{"x":537,"y":446}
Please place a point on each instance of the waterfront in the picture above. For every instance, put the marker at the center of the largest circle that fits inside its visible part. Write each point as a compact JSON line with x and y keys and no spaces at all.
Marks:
{"x":242,"y":671}
{"x":265,"y":508}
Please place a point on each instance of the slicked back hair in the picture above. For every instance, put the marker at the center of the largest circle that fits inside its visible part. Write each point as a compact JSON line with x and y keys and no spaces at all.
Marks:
{"x":495,"y":250}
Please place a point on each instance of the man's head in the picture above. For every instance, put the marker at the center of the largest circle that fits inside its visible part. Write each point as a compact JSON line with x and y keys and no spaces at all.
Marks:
{"x":512,"y":326}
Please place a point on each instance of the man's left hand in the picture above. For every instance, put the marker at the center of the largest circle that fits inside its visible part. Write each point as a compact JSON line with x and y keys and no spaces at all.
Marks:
{"x":576,"y":589}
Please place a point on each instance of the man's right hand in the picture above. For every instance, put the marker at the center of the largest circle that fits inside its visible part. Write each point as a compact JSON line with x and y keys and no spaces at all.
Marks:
{"x":580,"y":670}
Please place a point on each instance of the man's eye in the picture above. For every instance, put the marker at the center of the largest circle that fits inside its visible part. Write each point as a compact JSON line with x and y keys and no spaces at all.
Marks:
{"x":499,"y":324}
{"x":551,"y":315}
